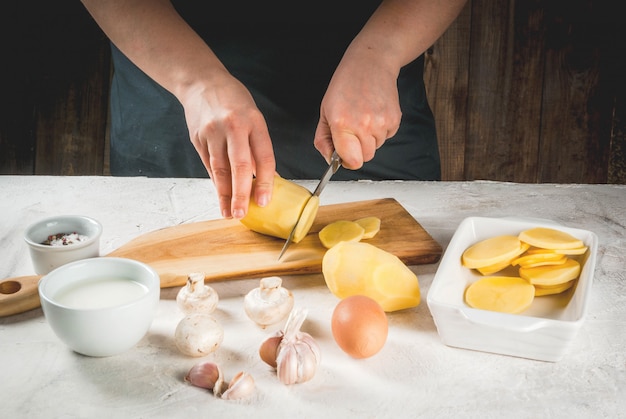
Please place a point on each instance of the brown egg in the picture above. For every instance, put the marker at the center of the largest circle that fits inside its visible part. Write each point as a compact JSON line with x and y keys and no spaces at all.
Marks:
{"x":359,"y":326}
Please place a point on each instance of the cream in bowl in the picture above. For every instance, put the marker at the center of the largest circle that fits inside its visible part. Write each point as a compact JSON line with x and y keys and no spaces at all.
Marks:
{"x":100,"y":306}
{"x":62,"y":239}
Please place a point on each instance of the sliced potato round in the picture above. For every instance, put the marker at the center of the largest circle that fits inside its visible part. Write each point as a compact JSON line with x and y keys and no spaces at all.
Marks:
{"x":539,"y":259}
{"x":492,"y":269}
{"x":492,"y":251}
{"x":533,"y":264}
{"x":540,"y":291}
{"x":340,"y":231}
{"x":549,"y":238}
{"x":306,"y":219}
{"x":576,"y":251}
{"x":371,"y":225}
{"x":551,"y":275}
{"x":500,"y":293}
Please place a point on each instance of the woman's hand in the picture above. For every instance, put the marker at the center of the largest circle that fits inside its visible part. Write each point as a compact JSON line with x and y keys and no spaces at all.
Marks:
{"x":359,"y":111}
{"x":225,"y":126}
{"x":231,"y":137}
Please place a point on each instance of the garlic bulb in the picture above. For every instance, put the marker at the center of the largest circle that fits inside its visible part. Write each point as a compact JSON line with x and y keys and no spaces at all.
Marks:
{"x":196,"y":296}
{"x":297,"y":353}
{"x":269,"y":303}
{"x":241,"y":386}
{"x":206,"y":375}
{"x":198,"y":334}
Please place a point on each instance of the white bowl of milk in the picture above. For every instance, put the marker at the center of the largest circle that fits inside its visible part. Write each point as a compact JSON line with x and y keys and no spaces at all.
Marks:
{"x":100,"y":306}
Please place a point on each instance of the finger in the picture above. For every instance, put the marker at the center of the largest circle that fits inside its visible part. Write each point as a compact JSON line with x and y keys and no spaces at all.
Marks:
{"x":349,"y":148}
{"x":240,"y":158}
{"x":264,"y":165}
{"x":221,"y":175}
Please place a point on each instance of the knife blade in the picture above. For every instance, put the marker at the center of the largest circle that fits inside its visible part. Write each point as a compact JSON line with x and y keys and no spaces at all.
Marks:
{"x":335,"y":163}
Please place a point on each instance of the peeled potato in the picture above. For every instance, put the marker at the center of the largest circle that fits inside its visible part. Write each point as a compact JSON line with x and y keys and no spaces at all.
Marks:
{"x":551,"y":275}
{"x":371,"y":225}
{"x":339,"y":231}
{"x":358,"y":268}
{"x":278,"y":218}
{"x":549,"y":238}
{"x":492,"y":251}
{"x":500,"y":293}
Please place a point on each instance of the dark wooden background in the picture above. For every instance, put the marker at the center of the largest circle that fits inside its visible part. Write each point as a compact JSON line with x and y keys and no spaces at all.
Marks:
{"x":523,"y":91}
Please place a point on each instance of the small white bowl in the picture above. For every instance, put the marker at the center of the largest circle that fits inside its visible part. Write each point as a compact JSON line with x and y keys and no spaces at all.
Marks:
{"x":542,"y":332}
{"x":45,"y":257}
{"x":100,"y":306}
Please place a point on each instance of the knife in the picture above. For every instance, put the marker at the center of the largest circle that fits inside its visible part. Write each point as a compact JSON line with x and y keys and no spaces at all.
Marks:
{"x":335,"y":163}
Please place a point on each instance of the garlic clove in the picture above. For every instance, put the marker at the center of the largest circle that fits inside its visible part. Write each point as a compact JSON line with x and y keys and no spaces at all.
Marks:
{"x":206,"y":375}
{"x":195,"y":296}
{"x":269,"y":349}
{"x":269,"y":303}
{"x":240,"y":387}
{"x":308,"y":362}
{"x":288,"y":365}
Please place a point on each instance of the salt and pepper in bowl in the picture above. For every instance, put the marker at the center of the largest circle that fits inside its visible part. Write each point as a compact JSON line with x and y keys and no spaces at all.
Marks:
{"x":58,"y":240}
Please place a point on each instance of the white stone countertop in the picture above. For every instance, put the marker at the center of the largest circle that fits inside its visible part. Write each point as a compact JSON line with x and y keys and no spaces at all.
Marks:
{"x":414,"y":375}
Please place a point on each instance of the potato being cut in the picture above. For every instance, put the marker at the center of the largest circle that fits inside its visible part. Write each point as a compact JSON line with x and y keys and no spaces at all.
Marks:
{"x":500,"y":293}
{"x":340,"y":231}
{"x":371,"y":225}
{"x":493,"y":251}
{"x":277,"y":219}
{"x":358,"y":268}
{"x":549,"y":238}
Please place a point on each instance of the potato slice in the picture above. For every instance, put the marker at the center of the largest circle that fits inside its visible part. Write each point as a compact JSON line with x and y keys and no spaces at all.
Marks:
{"x":340,"y":231}
{"x":492,"y":269}
{"x":371,"y":225}
{"x":539,"y":259}
{"x":551,"y":275}
{"x":549,"y":238}
{"x":358,"y":268}
{"x":500,"y":293}
{"x":540,"y":291}
{"x":572,"y":252}
{"x":544,"y":263}
{"x":492,"y":251}
{"x":306,"y":219}
{"x":567,"y":252}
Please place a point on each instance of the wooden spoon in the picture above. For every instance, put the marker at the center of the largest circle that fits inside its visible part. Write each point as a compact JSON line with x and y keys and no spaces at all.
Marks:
{"x":19,"y":294}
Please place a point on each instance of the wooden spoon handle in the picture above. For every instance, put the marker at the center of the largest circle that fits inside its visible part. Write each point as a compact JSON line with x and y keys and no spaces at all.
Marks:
{"x":19,"y":294}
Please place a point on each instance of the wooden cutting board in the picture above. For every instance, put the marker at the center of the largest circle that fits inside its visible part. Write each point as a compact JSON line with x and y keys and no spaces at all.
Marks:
{"x":225,"y":249}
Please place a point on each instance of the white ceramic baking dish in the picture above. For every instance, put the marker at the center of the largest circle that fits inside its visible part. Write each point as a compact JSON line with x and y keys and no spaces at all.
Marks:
{"x":542,"y":332}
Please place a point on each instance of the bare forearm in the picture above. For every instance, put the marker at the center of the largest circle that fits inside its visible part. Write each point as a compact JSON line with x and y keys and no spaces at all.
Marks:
{"x":152,"y":35}
{"x":401,"y":30}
